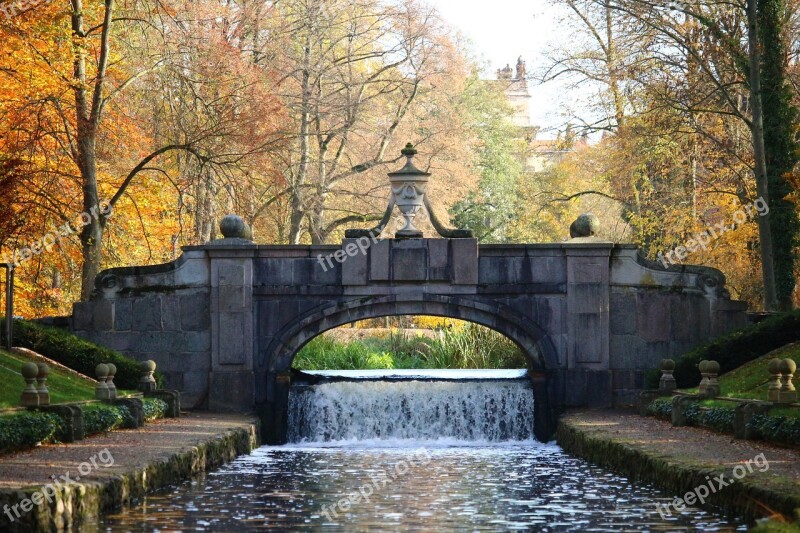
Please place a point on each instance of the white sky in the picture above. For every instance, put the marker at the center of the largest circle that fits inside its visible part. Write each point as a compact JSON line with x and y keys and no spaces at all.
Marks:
{"x":501,"y":31}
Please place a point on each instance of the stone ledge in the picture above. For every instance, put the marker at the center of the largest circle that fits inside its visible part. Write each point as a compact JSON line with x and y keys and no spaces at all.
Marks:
{"x":77,"y":502}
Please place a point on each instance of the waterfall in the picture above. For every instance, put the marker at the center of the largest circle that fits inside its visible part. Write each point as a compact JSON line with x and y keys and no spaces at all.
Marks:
{"x":418,"y":407}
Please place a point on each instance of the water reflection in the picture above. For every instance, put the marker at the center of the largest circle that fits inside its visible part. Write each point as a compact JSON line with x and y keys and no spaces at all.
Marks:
{"x":522,"y":486}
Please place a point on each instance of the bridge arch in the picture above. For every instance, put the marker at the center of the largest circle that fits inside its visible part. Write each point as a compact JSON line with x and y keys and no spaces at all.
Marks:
{"x":536,"y":345}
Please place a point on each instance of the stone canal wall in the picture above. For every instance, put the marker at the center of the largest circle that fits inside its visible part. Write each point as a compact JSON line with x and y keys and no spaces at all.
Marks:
{"x":682,"y":459}
{"x":199,"y":443}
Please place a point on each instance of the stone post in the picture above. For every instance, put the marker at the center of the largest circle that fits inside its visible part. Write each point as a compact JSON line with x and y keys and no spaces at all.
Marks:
{"x":112,"y":389}
{"x":667,"y":381}
{"x":147,"y":382}
{"x":101,"y":389}
{"x":774,"y":368}
{"x":788,"y":392}
{"x":41,"y":379}
{"x":588,"y":377}
{"x":702,"y":367}
{"x":30,"y":395}
{"x":232,"y":377}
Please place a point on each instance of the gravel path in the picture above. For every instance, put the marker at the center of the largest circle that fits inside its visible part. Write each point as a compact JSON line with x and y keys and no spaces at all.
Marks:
{"x":129,"y":448}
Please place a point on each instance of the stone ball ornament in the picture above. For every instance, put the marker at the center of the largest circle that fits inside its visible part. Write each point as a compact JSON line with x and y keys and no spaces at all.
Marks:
{"x":234,"y":227}
{"x":586,"y":225}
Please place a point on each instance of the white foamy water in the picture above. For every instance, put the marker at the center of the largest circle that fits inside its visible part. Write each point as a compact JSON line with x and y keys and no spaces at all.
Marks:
{"x":447,"y":412}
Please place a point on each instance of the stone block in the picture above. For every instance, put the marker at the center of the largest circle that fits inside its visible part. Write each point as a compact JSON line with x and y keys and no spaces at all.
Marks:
{"x":170,"y":313}
{"x":438,"y":253}
{"x":547,"y":270}
{"x":628,"y":351}
{"x":622,"y":312}
{"x":135,"y":407}
{"x":103,"y":319}
{"x":195,"y":312}
{"x":231,"y":298}
{"x":123,"y":312}
{"x":409,"y":263}
{"x":82,"y":316}
{"x":590,"y":339}
{"x":587,"y":298}
{"x":355,"y":264}
{"x":587,"y":270}
{"x":590,"y":388}
{"x":232,"y":333}
{"x":379,"y":261}
{"x":231,"y":391}
{"x":146,"y":314}
{"x":653,"y":316}
{"x":464,"y":261}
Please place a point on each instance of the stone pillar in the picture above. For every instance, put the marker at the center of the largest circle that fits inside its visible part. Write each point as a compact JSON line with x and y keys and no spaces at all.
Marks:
{"x":667,"y":381}
{"x":588,"y":377}
{"x":101,"y":391}
{"x":788,"y":392}
{"x":41,"y":386}
{"x":30,"y":394}
{"x":232,"y":380}
{"x":774,"y":368}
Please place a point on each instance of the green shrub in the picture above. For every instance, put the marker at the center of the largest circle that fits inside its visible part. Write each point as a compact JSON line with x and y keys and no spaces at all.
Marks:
{"x":780,"y":429}
{"x":74,"y":352}
{"x":736,"y":348}
{"x":99,"y":418}
{"x":25,"y":429}
{"x":154,"y":408}
{"x":660,"y":408}
{"x":717,"y":418}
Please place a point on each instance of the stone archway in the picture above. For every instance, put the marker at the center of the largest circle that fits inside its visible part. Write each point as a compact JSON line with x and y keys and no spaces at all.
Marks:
{"x":539,"y":350}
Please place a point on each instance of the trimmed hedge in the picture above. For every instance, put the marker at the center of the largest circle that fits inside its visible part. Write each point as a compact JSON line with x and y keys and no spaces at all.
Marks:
{"x":23,"y":430}
{"x":781,"y":429}
{"x":76,"y":353}
{"x":99,"y":418}
{"x":154,"y":408}
{"x":735,"y":349}
{"x":660,"y":408}
{"x":717,"y":418}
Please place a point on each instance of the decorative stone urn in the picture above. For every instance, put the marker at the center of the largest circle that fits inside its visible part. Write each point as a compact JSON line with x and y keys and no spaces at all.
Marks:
{"x":409,"y":185}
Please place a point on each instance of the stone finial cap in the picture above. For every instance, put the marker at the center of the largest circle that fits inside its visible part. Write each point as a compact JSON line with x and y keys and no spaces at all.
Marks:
{"x":44,"y":370}
{"x":774,"y":366}
{"x":101,"y":370}
{"x":712,"y":367}
{"x":667,"y":364}
{"x":586,"y":225}
{"x":703,"y":367}
{"x":234,"y":227}
{"x":788,"y":366}
{"x":29,"y":370}
{"x":112,"y":369}
{"x":148,"y":366}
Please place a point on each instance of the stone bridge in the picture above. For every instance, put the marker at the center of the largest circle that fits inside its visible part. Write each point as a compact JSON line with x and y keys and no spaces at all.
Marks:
{"x":225,"y":320}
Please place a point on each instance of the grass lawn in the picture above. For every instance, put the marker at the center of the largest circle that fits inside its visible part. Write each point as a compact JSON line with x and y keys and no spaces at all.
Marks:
{"x":63,"y":386}
{"x":751,"y":381}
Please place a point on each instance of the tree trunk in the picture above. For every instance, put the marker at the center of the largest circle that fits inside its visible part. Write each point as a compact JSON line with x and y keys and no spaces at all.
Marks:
{"x":757,"y":129}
